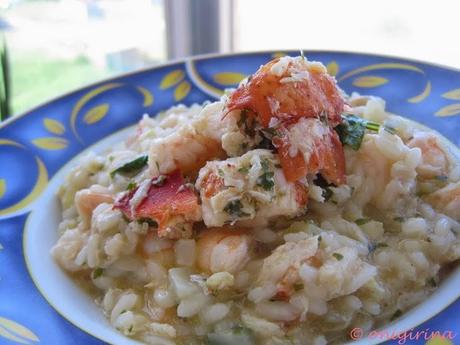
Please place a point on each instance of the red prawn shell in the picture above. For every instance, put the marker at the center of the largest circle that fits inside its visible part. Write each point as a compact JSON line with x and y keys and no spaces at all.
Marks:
{"x":265,"y":95}
{"x":327,"y":158}
{"x":162,"y":202}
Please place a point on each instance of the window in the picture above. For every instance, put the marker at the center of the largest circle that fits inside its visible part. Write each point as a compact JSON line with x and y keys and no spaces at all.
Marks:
{"x":55,"y":46}
{"x":424,"y":30}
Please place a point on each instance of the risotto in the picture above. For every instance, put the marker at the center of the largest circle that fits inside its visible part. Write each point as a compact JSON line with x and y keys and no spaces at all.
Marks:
{"x":286,"y":213}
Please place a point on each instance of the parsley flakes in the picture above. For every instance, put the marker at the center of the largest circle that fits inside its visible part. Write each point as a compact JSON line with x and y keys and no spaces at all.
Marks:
{"x":235,"y":209}
{"x":98,"y":272}
{"x":362,"y":221}
{"x":351,"y":130}
{"x":131,"y":167}
{"x":338,"y":256}
{"x":266,"y":180}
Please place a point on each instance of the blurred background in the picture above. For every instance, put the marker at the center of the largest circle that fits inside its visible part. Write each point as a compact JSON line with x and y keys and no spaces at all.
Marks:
{"x":49,"y":47}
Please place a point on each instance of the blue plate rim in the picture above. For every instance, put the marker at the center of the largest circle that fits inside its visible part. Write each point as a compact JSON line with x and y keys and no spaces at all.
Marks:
{"x":200,"y":57}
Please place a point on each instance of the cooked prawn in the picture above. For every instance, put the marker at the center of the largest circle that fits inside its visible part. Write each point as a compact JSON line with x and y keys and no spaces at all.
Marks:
{"x":223,"y":250}
{"x":86,"y":200}
{"x":447,"y":200}
{"x":183,"y":150}
{"x":434,"y":160}
{"x":293,"y":96}
{"x":189,"y":147}
{"x":281,"y":268}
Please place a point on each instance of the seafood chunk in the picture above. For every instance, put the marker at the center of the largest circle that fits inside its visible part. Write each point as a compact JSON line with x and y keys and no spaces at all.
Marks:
{"x":300,"y":104}
{"x":310,"y":147}
{"x":187,"y":147}
{"x":434,"y":160}
{"x":319,"y":271}
{"x":184,"y":150}
{"x":250,"y":187}
{"x":166,"y":200}
{"x":223,"y":250}
{"x":86,"y":200}
{"x":281,"y":268}
{"x":447,"y":200}
{"x":287,"y":89}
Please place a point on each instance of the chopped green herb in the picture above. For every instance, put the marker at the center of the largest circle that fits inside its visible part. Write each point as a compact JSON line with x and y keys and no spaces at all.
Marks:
{"x":371,"y":125}
{"x":220,"y":172}
{"x":131,"y":186}
{"x":265,"y":164}
{"x":373,"y":247}
{"x":398,"y":219}
{"x":362,"y":221}
{"x":327,"y":193}
{"x":432,"y":282}
{"x":98,"y":272}
{"x":421,"y":193}
{"x":389,"y":129}
{"x":266,"y":181}
{"x":298,"y":286}
{"x":159,"y":181}
{"x":123,"y":311}
{"x":131,"y":167}
{"x":130,"y":329}
{"x":442,"y":178}
{"x":269,"y":133}
{"x":246,"y":123}
{"x":234,"y":208}
{"x":319,"y":239}
{"x":111,"y":158}
{"x":150,"y":222}
{"x":244,"y":146}
{"x":338,"y":256}
{"x":240,"y":330}
{"x":243,"y":170}
{"x":397,"y":314}
{"x":351,"y":131}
